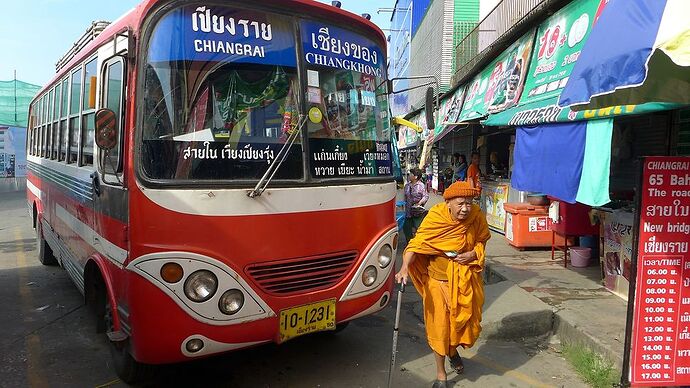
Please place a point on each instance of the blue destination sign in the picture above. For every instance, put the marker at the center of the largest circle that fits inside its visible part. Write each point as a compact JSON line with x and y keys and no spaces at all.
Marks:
{"x":330,"y":46}
{"x":223,"y":34}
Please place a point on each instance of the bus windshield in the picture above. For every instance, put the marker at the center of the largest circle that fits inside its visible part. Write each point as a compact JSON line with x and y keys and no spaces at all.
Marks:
{"x":222,"y":94}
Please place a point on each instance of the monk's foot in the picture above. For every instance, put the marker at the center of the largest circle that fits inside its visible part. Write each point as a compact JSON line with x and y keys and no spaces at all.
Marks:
{"x":456,"y":363}
{"x":439,"y":384}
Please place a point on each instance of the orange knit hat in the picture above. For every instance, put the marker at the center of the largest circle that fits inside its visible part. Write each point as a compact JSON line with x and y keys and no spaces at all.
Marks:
{"x":460,"y":189}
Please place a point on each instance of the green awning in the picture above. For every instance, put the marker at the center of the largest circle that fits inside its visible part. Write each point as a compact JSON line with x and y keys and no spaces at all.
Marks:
{"x":548,"y":111}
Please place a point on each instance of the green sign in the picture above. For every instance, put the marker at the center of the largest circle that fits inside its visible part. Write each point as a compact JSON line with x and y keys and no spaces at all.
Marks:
{"x":558,"y":44}
{"x":548,"y":111}
{"x":450,"y":110}
{"x":499,"y":85}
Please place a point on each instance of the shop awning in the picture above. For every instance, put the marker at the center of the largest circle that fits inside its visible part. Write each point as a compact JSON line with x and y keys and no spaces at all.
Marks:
{"x":547,"y":111}
{"x":649,"y":60}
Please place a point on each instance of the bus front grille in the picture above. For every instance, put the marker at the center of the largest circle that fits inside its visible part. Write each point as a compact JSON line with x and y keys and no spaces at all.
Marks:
{"x":304,"y":274}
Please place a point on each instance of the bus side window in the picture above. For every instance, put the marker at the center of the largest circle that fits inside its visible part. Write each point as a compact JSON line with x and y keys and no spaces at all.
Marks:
{"x":112,"y":89}
{"x":88,"y":113}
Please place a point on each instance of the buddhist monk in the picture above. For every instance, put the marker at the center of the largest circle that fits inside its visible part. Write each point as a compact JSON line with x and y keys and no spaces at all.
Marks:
{"x":445,"y":260}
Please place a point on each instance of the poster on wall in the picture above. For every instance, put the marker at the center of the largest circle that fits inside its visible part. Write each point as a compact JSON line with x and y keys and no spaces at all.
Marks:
{"x":661,"y":321}
{"x":494,"y":197}
{"x":618,"y":245}
{"x":12,"y":152}
{"x":499,"y":85}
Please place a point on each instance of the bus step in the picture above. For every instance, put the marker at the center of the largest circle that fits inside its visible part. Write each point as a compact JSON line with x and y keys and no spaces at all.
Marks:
{"x":117,"y":336}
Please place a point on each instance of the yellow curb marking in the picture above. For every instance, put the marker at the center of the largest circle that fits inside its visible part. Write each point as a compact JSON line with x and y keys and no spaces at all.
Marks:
{"x":492,"y":364}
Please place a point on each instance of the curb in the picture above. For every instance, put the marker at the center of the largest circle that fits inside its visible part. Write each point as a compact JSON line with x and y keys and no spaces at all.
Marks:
{"x":572,"y":333}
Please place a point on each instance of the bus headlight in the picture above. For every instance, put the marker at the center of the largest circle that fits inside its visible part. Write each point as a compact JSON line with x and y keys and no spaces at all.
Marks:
{"x":369,"y":275}
{"x":385,"y":256}
{"x":200,"y":286}
{"x":231,"y":302}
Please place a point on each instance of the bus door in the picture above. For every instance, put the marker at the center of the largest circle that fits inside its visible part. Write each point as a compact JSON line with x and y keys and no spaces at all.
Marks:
{"x":110,"y":195}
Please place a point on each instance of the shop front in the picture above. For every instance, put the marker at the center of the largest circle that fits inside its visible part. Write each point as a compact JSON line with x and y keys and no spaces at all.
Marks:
{"x":588,"y":158}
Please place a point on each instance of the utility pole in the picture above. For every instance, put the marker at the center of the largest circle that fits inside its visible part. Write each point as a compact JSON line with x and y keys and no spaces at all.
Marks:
{"x":15,"y":96}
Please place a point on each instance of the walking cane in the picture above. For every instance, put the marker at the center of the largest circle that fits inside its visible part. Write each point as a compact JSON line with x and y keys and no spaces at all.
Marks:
{"x":395,"y":334}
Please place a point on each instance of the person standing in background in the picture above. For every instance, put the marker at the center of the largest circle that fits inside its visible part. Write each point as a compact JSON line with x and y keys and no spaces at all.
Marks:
{"x":415,"y":199}
{"x":474,"y":173}
{"x":460,"y":167}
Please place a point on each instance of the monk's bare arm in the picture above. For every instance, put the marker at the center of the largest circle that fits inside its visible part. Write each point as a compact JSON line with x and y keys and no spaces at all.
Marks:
{"x":408,"y":258}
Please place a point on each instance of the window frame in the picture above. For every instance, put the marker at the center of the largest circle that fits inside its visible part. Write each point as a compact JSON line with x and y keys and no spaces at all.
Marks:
{"x":103,"y":103}
{"x":63,"y":118}
{"x":71,"y":116}
{"x":86,"y":113}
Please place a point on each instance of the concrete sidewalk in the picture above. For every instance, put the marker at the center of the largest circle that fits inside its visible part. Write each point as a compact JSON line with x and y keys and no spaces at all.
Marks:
{"x":528,"y":295}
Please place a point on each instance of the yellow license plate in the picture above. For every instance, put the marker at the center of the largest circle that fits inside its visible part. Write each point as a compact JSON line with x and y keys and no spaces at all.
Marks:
{"x":306,"y":319}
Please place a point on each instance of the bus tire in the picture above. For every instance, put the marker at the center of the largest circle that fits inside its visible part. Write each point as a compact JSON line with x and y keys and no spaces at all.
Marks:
{"x":45,"y":253}
{"x":126,"y":367}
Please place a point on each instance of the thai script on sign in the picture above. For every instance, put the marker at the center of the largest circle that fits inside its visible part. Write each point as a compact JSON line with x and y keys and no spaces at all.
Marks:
{"x":248,"y":152}
{"x":653,"y":246}
{"x":203,"y":20}
{"x":668,"y":210}
{"x":324,"y":42}
{"x":547,"y":114}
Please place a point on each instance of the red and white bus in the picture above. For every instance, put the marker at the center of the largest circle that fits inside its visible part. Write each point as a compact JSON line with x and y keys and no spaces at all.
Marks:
{"x":217,"y":175}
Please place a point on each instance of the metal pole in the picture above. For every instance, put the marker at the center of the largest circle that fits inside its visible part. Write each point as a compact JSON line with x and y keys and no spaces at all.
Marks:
{"x":15,"y":95}
{"x":632,"y":286}
{"x":395,"y":334}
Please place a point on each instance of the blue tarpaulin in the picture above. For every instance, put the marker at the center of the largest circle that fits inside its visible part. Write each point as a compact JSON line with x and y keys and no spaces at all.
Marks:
{"x":549,"y":159}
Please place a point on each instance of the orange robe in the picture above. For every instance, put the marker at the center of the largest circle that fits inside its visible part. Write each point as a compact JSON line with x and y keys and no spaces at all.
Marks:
{"x":464,"y":298}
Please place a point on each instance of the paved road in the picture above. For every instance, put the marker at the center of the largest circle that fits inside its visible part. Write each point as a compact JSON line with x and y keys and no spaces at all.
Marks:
{"x":49,"y":340}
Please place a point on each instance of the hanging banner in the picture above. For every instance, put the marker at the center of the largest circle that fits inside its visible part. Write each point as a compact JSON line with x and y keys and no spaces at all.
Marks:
{"x":559,"y":42}
{"x":500,"y":84}
{"x":660,"y":354}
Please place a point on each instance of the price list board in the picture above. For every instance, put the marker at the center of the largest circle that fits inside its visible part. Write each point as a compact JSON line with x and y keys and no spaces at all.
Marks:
{"x":660,"y":353}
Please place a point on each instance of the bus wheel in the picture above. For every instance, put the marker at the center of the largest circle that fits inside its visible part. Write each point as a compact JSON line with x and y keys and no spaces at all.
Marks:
{"x":45,"y":254}
{"x":127,"y":368}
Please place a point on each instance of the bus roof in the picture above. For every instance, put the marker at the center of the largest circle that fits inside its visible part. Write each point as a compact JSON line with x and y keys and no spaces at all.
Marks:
{"x":135,"y":16}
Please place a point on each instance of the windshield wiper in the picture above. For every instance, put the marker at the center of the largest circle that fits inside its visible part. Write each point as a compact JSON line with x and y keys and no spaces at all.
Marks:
{"x":278,"y":161}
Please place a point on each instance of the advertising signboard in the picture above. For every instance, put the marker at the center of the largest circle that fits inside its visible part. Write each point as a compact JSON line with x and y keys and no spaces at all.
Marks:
{"x":660,"y":350}
{"x":499,"y":85}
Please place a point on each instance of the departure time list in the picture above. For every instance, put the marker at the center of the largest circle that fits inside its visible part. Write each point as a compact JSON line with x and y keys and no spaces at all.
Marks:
{"x":661,"y":327}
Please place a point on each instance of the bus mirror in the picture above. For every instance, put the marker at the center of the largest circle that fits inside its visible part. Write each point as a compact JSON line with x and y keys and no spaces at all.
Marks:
{"x":106,"y":129}
{"x":429,"y":108}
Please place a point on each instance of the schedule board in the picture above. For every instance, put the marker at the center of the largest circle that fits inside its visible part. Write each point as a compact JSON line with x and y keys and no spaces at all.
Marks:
{"x":660,"y":353}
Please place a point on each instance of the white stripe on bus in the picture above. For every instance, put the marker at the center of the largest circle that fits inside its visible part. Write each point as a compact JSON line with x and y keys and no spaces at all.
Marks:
{"x":98,"y":242}
{"x":35,"y":190}
{"x":235,"y":202}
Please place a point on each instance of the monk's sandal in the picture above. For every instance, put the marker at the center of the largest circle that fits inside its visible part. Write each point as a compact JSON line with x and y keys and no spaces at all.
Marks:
{"x":456,"y":364}
{"x":439,"y":384}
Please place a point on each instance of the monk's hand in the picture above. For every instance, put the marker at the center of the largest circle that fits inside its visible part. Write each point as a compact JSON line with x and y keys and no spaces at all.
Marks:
{"x":466,"y":257}
{"x":401,"y":276}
